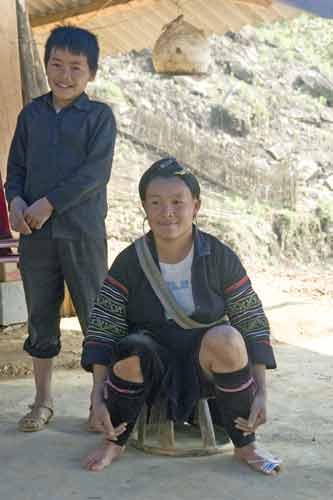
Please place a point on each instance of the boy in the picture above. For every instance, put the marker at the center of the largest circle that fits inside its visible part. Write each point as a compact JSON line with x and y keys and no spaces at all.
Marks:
{"x":58,"y":169}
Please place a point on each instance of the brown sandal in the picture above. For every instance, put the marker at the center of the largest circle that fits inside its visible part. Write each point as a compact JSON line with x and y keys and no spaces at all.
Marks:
{"x":36,"y":419}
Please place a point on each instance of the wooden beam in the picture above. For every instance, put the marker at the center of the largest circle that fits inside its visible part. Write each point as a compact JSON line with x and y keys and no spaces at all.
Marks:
{"x":83,"y":12}
{"x":10,"y":81}
{"x":261,"y":3}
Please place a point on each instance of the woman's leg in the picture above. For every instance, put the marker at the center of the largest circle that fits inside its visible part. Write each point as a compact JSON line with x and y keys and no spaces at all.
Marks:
{"x":131,"y":380}
{"x":223,"y":357}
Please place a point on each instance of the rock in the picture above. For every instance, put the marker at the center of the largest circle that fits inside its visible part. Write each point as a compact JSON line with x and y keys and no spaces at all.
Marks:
{"x":313,"y":82}
{"x":327,"y":115}
{"x":307,"y":169}
{"x":240,"y":71}
{"x":279,"y":151}
{"x":181,"y":49}
{"x":329,"y":182}
{"x":228,"y":121}
{"x":245,"y":36}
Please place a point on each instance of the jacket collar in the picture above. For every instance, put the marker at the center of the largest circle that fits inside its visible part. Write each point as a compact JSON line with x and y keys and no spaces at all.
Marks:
{"x":202,"y":244}
{"x":82,"y":102}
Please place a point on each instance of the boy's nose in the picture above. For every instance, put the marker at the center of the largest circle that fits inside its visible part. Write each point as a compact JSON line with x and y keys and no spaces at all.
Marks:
{"x":66,"y":74}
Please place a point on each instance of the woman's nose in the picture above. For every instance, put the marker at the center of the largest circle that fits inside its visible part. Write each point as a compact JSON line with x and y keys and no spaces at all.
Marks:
{"x":167,"y":210}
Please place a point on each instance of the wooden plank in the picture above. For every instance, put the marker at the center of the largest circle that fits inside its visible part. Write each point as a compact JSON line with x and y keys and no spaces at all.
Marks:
{"x":84,"y":13}
{"x":10,"y":81}
{"x":261,"y":3}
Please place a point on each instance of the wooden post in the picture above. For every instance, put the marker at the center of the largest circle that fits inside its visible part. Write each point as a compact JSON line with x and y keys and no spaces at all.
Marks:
{"x":32,"y":73}
{"x":10,"y":81}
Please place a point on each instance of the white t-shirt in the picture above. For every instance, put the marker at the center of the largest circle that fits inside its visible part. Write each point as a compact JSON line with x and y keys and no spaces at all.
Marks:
{"x":178,"y":279}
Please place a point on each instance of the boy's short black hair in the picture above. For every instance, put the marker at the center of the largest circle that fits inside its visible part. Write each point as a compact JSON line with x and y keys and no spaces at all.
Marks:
{"x":166,"y":168}
{"x":76,"y":40}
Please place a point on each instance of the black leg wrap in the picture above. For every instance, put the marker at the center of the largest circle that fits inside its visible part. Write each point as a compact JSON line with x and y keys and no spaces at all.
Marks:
{"x":124,"y":399}
{"x":235,"y":394}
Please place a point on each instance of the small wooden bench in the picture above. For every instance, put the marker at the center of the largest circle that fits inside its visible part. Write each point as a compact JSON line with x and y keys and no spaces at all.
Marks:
{"x":161,"y":436}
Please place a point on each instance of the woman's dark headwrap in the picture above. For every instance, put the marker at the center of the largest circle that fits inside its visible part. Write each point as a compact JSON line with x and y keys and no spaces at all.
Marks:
{"x":166,"y":168}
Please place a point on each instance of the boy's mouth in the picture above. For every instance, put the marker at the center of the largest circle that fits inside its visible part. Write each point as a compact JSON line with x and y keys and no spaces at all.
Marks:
{"x":63,"y":86}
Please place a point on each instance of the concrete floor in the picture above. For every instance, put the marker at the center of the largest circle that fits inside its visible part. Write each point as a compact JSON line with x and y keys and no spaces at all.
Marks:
{"x":47,"y":465}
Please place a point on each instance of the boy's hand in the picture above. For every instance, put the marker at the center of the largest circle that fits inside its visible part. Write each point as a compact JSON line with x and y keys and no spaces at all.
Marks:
{"x":38,"y":213}
{"x":16,"y":216}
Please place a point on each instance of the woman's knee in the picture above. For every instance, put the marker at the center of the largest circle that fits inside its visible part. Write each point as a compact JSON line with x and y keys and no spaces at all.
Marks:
{"x":223,"y":348}
{"x":129,"y":369}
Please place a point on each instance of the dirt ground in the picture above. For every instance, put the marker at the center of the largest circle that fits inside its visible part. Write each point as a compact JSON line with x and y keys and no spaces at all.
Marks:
{"x":299,"y":428}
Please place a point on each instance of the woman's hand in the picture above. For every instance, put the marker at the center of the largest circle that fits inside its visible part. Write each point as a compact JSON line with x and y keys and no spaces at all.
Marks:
{"x":103,"y":422}
{"x":258,"y":416}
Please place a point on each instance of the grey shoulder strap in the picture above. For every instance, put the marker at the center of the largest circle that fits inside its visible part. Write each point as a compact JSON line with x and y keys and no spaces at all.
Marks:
{"x":163,"y":293}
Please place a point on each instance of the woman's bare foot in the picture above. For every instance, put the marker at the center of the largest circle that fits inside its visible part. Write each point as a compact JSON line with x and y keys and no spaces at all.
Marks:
{"x":258,"y":459}
{"x":102,"y":457}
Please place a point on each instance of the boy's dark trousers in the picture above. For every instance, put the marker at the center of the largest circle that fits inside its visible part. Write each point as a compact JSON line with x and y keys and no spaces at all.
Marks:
{"x":45,"y":264}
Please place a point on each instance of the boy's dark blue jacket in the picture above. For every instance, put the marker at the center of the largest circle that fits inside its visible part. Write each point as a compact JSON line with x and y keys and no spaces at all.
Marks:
{"x":67,"y":157}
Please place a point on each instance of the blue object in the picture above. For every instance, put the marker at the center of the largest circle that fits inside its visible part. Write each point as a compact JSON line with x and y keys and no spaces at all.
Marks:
{"x":323,"y":8}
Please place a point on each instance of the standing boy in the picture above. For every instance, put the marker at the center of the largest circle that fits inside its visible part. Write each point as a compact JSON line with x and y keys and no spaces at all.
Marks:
{"x":58,"y":169}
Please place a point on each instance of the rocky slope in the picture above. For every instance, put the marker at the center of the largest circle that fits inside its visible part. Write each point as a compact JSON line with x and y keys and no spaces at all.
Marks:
{"x":257,"y":130}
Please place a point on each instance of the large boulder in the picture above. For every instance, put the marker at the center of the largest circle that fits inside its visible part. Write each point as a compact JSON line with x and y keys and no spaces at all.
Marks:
{"x":181,"y":49}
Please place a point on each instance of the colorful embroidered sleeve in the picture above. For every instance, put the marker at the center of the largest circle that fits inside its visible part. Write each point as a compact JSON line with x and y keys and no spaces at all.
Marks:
{"x":246,"y":313}
{"x":108,"y":323}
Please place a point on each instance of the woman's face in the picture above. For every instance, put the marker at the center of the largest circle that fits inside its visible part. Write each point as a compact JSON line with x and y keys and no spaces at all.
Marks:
{"x":170,"y":208}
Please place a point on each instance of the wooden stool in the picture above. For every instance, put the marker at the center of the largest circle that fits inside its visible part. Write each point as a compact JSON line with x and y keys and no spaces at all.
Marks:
{"x":161,"y":436}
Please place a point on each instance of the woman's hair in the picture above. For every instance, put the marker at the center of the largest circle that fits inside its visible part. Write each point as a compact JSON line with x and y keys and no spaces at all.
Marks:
{"x":167,"y":168}
{"x":75,"y":40}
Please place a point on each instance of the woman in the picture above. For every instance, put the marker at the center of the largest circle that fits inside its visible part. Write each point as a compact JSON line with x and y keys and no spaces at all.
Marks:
{"x":137,"y":350}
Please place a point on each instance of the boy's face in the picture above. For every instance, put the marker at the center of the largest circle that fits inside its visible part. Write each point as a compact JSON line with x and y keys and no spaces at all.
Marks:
{"x":68,"y":75}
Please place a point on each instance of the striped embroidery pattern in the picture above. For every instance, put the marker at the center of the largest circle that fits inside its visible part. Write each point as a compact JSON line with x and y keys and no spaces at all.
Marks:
{"x":108,"y":321}
{"x":246,"y":313}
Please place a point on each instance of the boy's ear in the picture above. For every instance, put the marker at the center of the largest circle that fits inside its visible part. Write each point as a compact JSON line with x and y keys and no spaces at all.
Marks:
{"x":92,"y":76}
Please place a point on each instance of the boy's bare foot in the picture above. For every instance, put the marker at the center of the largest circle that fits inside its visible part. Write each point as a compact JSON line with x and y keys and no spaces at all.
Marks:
{"x":258,"y":459}
{"x":102,"y":457}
